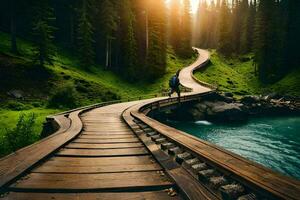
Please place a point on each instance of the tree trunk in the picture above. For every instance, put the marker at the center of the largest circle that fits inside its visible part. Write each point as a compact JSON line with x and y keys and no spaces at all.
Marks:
{"x":107,"y":53}
{"x":71,"y":29}
{"x":110,"y":54}
{"x":13,"y":30}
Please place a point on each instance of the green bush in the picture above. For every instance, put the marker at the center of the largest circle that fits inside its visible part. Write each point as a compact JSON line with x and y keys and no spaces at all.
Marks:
{"x":17,"y":106}
{"x":64,"y":97}
{"x":4,"y":148}
{"x":23,"y":134}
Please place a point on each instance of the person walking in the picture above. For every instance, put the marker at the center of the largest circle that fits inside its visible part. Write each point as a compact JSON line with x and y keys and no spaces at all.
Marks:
{"x":174,"y":84}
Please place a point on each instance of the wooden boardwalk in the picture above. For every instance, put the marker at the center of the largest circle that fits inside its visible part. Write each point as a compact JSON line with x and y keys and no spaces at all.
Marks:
{"x":117,"y":152}
{"x":107,"y":160}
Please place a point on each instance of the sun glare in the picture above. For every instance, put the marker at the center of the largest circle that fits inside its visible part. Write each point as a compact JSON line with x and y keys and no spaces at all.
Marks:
{"x":194,"y":5}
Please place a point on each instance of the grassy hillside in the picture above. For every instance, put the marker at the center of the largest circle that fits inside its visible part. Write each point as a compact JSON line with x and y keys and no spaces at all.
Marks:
{"x":237,"y":76}
{"x":39,"y":84}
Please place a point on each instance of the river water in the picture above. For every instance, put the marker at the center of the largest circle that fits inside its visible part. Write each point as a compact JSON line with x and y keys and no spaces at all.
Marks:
{"x":272,"y":142}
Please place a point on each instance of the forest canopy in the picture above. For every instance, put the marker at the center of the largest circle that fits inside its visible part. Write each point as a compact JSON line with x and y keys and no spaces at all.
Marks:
{"x":131,"y":37}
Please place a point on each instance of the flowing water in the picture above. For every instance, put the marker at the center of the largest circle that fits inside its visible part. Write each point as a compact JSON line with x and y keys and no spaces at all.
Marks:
{"x":272,"y":142}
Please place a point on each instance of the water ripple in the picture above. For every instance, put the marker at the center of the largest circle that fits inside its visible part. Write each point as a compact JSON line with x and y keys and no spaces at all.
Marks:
{"x":272,"y":142}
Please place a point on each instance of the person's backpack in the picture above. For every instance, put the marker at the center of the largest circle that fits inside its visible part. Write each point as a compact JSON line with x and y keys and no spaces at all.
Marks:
{"x":173,"y":82}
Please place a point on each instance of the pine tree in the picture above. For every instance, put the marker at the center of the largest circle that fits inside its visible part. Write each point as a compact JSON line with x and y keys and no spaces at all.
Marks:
{"x":129,"y":44}
{"x":236,"y":24}
{"x":246,"y":26}
{"x":203,"y":21}
{"x":156,"y":58}
{"x":43,"y":32}
{"x":85,"y":35}
{"x":213,"y":25}
{"x":292,"y":57}
{"x":185,"y":49}
{"x":268,"y":43}
{"x":13,"y":10}
{"x":108,"y":21}
{"x":175,"y":24}
{"x":224,"y":45}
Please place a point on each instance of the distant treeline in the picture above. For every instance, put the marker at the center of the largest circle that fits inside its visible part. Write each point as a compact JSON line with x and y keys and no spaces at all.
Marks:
{"x":131,"y":37}
{"x":268,"y":28}
{"x":126,"y":36}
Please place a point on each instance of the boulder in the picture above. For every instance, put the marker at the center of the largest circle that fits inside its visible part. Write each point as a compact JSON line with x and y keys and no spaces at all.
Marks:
{"x":198,"y":111}
{"x":249,"y":100}
{"x":18,"y":94}
{"x":228,"y":94}
{"x":227,"y":112}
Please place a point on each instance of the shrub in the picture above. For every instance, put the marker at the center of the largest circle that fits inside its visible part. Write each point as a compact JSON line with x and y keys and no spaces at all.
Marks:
{"x":23,"y":134}
{"x":64,"y":97}
{"x":17,"y":106}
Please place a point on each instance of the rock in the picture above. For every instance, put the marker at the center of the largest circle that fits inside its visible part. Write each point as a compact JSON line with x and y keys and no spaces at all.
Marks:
{"x":274,"y":96}
{"x":223,"y":112}
{"x":199,"y":167}
{"x":218,"y":111}
{"x":249,"y":100}
{"x":183,"y":156}
{"x":217,"y":181}
{"x":198,"y":111}
{"x":204,"y":175}
{"x":232,"y":191}
{"x":175,"y":151}
{"x":167,"y":145}
{"x":228,"y":94}
{"x":18,"y":94}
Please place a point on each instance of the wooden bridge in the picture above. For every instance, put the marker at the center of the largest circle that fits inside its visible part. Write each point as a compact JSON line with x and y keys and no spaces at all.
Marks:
{"x":115,"y":151}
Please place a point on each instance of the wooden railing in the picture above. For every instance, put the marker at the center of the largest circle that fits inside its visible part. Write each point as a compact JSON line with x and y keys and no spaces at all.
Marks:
{"x":254,"y":177}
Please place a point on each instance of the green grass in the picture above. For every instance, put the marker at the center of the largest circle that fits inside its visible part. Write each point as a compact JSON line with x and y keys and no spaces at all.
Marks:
{"x":93,"y":86}
{"x":237,"y":75}
{"x":9,"y":118}
{"x":98,"y":81}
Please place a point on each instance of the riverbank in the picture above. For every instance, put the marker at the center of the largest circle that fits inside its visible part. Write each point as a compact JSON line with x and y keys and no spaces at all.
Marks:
{"x":225,"y":108}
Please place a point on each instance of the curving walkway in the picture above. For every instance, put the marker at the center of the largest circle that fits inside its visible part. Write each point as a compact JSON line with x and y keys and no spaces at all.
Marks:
{"x":117,"y":152}
{"x":106,"y":160}
{"x":186,"y":77}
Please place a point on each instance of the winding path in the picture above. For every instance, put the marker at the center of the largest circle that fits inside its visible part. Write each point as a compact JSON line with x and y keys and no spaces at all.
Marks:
{"x":106,"y":159}
{"x":186,"y":74}
{"x":117,"y":152}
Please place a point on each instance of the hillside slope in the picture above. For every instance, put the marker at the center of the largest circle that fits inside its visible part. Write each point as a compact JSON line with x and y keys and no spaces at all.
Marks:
{"x":237,"y":76}
{"x":36,"y":85}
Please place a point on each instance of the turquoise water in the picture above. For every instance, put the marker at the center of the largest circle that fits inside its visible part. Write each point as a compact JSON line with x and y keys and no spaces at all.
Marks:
{"x":272,"y":142}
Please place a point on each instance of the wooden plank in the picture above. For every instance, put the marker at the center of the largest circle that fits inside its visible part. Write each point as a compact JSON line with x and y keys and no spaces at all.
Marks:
{"x":103,"y":152}
{"x":107,"y":129}
{"x":16,"y":163}
{"x":99,"y":161}
{"x":188,"y":185}
{"x":106,"y":141}
{"x":108,"y":132}
{"x":105,"y":181}
{"x":108,"y":135}
{"x":103,"y":146}
{"x":104,"y":126}
{"x":97,"y":169}
{"x":157,"y":195}
{"x":85,"y":136}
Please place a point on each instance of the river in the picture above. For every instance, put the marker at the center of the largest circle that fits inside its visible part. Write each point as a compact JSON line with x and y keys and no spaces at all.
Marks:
{"x":272,"y":142}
